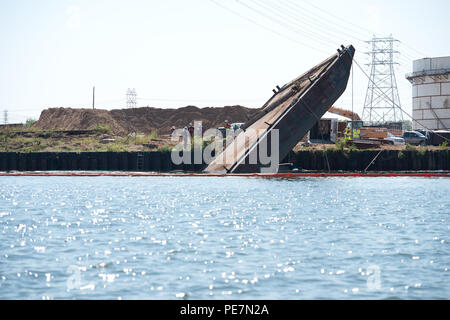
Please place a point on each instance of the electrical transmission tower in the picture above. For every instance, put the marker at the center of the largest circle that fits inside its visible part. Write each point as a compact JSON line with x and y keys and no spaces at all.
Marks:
{"x":5,"y":117}
{"x":382,"y":102}
{"x":131,"y":98}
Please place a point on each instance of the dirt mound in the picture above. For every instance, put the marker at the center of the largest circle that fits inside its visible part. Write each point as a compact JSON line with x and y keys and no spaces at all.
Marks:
{"x":140,"y":119}
{"x":75,"y":119}
{"x":146,"y":119}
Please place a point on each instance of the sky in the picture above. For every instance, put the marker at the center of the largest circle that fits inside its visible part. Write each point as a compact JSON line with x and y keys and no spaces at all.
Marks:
{"x":208,"y":53}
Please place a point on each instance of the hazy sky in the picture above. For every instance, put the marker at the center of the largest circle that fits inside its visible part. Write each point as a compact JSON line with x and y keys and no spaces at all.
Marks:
{"x":198,"y":52}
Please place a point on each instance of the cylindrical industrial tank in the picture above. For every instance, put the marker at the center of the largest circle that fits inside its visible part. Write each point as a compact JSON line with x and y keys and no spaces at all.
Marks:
{"x":431,"y":93}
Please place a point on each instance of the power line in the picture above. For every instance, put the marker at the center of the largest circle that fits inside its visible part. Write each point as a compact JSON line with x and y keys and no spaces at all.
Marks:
{"x":325,"y":25}
{"x":267,"y":28}
{"x":359,"y":26}
{"x":311,"y":35}
{"x":293,"y":24}
{"x":110,"y":100}
{"x":363,"y":28}
{"x":406,"y":55}
{"x":319,"y":21}
{"x":340,"y":18}
{"x":287,"y":22}
{"x":419,"y":52}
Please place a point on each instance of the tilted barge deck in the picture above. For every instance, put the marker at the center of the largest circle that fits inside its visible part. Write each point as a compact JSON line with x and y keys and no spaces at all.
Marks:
{"x":292,"y":111}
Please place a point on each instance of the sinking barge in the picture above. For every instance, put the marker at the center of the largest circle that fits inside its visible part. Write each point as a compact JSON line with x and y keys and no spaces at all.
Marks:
{"x":287,"y":117}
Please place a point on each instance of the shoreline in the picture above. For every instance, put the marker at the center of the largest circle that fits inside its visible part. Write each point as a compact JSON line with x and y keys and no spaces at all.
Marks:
{"x":292,"y":175}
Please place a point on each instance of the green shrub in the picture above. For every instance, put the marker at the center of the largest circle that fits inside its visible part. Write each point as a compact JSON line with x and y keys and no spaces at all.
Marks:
{"x":142,"y":139}
{"x":29,"y":122}
{"x":165,"y":148}
{"x":103,"y":128}
{"x":341,"y":144}
{"x":410,"y":147}
{"x":421,"y":152}
{"x":34,"y":147}
{"x":400,"y":155}
{"x":154,"y":135}
{"x":116,"y":147}
{"x":353,"y":148}
{"x":443,"y":145}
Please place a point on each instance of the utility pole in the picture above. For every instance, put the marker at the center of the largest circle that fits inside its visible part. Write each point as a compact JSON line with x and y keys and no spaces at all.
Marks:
{"x":5,"y":121}
{"x":93,"y":97}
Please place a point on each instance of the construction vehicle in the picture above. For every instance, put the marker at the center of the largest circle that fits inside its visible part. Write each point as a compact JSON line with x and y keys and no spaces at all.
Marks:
{"x":364,"y":132}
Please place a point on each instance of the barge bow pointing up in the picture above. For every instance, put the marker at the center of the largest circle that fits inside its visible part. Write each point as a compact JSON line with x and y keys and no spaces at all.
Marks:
{"x":292,"y":111}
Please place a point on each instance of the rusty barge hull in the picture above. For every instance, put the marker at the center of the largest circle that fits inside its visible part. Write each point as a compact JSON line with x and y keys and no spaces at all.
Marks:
{"x":292,"y":112}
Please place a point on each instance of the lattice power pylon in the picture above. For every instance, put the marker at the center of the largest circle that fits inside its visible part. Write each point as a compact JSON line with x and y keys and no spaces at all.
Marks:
{"x":131,"y":98}
{"x":382,"y":102}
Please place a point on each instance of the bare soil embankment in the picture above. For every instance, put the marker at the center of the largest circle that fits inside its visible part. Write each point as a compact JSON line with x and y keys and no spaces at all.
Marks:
{"x":146,"y":119}
{"x":124,"y":121}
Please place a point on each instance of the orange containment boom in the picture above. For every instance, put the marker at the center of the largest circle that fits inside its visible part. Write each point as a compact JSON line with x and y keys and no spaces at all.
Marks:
{"x":249,"y":175}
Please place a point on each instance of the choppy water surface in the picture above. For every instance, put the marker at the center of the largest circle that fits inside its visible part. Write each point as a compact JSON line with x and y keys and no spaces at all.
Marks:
{"x":224,"y":238}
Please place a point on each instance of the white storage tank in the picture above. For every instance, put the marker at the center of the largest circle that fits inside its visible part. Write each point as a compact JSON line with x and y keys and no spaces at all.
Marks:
{"x":431,"y":93}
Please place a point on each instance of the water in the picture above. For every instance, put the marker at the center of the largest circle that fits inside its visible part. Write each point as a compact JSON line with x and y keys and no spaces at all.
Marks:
{"x":224,"y":238}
